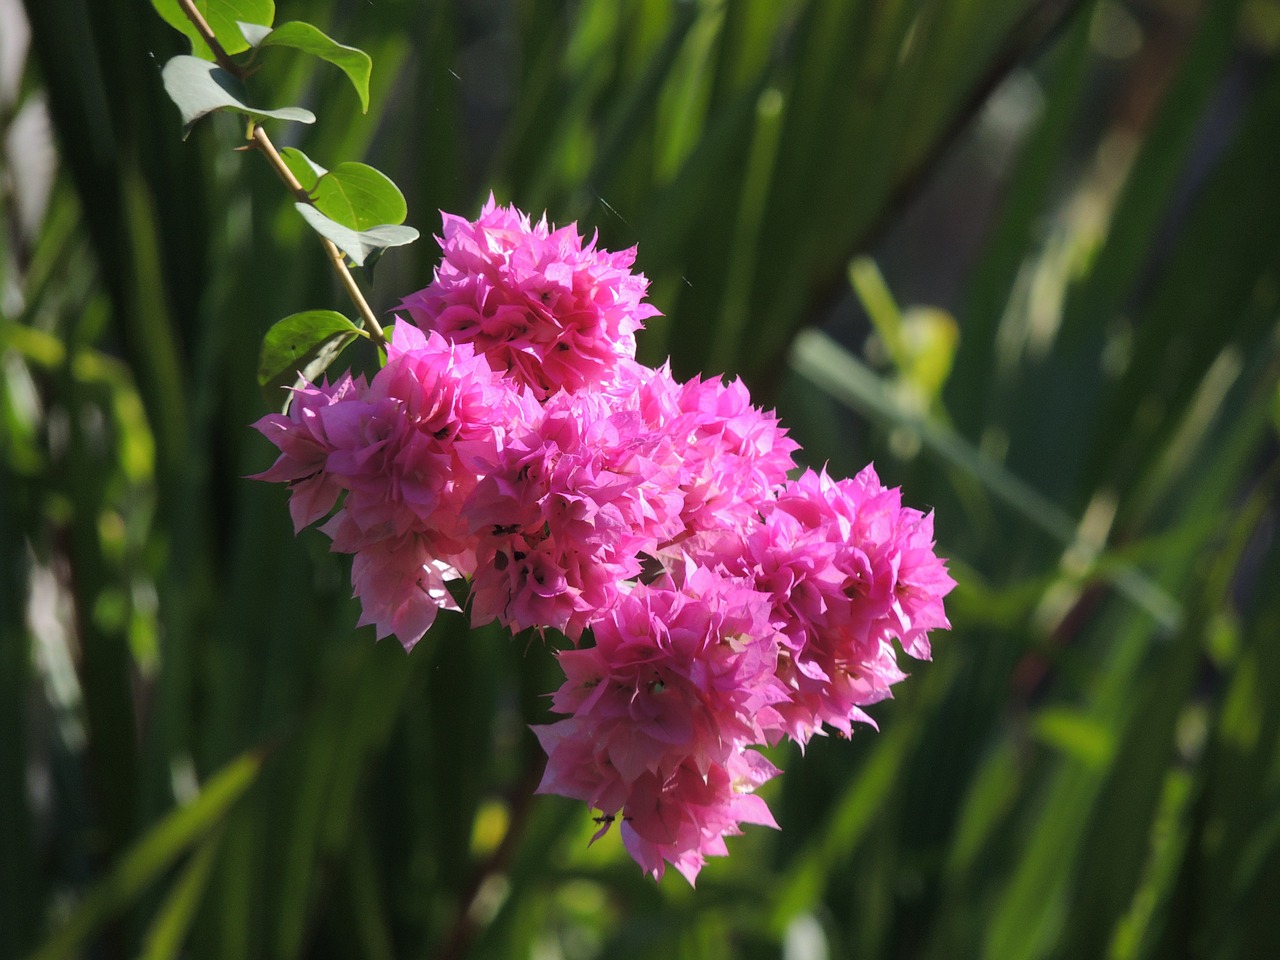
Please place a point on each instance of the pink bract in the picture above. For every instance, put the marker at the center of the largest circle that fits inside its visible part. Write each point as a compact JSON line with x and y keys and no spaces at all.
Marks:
{"x":564,"y":513}
{"x":664,"y":709}
{"x":304,"y":445}
{"x":541,"y":306}
{"x":850,"y":571}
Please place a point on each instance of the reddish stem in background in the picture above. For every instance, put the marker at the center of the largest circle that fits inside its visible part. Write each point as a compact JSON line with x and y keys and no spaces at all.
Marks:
{"x":466,"y":926}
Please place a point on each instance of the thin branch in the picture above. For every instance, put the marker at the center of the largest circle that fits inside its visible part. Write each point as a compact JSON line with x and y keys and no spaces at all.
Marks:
{"x":336,"y":259}
{"x":206,"y":32}
{"x":264,"y":146}
{"x":466,"y":925}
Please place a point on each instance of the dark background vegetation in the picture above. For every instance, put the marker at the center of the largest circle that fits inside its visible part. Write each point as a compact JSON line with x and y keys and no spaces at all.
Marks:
{"x":1023,"y":254}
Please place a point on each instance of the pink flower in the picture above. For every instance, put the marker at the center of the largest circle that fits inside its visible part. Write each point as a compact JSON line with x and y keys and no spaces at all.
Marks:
{"x":724,"y":456}
{"x":688,"y":667}
{"x":401,"y":585}
{"x":737,"y":455}
{"x":850,"y":571}
{"x":564,"y":513}
{"x":403,"y":450}
{"x":900,"y":580}
{"x":404,"y":455}
{"x":540,"y":306}
{"x":681,"y":682}
{"x":680,"y":816}
{"x":683,"y":818}
{"x":304,"y":445}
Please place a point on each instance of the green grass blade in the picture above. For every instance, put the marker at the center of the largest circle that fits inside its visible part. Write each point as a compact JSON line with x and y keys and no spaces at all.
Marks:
{"x":164,"y":939}
{"x":154,"y":853}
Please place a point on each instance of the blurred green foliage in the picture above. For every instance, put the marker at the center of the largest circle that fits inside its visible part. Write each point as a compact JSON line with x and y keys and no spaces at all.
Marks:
{"x":1070,"y":349}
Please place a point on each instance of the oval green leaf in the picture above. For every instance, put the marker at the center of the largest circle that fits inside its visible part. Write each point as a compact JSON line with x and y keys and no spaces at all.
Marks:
{"x":355,"y":63}
{"x":357,"y":245}
{"x":224,"y":18}
{"x":359,"y":197}
{"x":306,"y":170}
{"x":299,"y":348}
{"x":199,"y":88}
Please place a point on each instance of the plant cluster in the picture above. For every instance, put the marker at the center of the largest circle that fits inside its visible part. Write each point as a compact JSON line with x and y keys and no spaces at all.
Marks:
{"x":513,"y":457}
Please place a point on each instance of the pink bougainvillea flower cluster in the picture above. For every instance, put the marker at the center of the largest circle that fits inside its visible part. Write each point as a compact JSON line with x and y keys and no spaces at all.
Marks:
{"x":542,"y":308}
{"x":514,"y":454}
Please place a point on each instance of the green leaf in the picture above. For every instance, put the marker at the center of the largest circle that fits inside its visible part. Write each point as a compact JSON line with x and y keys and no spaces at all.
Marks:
{"x":883,"y":311}
{"x":1075,"y":734}
{"x":356,"y":64}
{"x":199,"y":88}
{"x":357,"y":245}
{"x":173,"y":922}
{"x":300,"y":347}
{"x":303,"y":167}
{"x":354,"y":195}
{"x":154,"y":853}
{"x":853,"y":814}
{"x":223,"y":16}
{"x":921,"y":341}
{"x":359,"y":197}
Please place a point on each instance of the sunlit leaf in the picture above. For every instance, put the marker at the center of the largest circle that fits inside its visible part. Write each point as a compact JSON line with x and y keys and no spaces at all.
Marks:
{"x":300,"y":347}
{"x":355,"y":63}
{"x":303,"y":167}
{"x":359,"y":197}
{"x":1076,"y":734}
{"x":200,"y":88}
{"x":358,"y":245}
{"x":929,"y":337}
{"x":223,"y":17}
